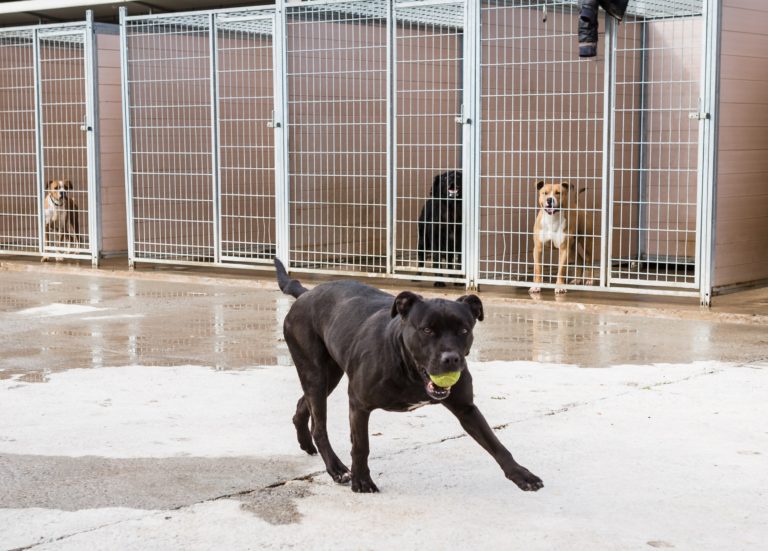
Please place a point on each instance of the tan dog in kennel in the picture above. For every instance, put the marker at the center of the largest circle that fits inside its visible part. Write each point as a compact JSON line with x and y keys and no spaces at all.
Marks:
{"x":566,"y":228}
{"x":62,"y":221}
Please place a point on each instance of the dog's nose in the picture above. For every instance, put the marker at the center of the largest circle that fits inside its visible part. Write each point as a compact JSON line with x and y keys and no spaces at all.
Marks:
{"x":450,"y":359}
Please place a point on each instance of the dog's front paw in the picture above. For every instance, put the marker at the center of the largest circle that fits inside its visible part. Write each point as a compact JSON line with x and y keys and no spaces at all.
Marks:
{"x":363,"y":485}
{"x":525,"y":479}
{"x":439,"y":284}
{"x":534,"y":291}
{"x":560,"y":290}
{"x":44,"y":259}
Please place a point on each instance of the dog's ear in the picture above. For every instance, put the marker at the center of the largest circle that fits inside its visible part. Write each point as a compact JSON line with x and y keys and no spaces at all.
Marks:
{"x":48,"y":185}
{"x":436,"y":183}
{"x":566,"y":186}
{"x":475,"y":305}
{"x":68,"y":184}
{"x":539,"y":184}
{"x":404,"y":302}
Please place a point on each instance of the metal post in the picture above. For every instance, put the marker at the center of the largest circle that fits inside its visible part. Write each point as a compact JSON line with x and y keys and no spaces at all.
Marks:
{"x":642,"y":179}
{"x":38,"y":141}
{"x":91,"y":127}
{"x":215,"y":170}
{"x":127,"y":151}
{"x":471,"y":202}
{"x":391,"y":147}
{"x":606,"y":220}
{"x":708,"y":141}
{"x":282,"y":180}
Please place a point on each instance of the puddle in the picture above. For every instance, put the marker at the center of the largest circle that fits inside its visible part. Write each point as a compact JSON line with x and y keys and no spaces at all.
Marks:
{"x":277,"y":505}
{"x":146,"y":322}
{"x":57,"y":309}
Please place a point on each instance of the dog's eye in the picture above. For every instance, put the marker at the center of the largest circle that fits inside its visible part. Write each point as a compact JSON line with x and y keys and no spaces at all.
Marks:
{"x":427,"y":330}
{"x":463,"y":331}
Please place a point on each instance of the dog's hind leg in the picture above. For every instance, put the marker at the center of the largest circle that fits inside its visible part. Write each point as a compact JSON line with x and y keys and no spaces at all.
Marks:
{"x":302,"y":415}
{"x":301,"y":422}
{"x":319,"y":374}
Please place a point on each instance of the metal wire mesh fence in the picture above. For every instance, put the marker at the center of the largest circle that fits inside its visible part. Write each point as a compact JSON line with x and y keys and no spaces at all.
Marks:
{"x":19,"y":200}
{"x":542,"y":112}
{"x":172,"y":182}
{"x":45,"y":182}
{"x":64,"y":141}
{"x":336,"y":78}
{"x":429,"y":70}
{"x":582,"y":172}
{"x":245,"y":82}
{"x":655,"y":197}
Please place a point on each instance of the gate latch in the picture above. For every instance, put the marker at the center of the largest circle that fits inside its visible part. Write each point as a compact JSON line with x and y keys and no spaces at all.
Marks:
{"x":272,"y":122}
{"x":460,"y":118}
{"x":85,"y":127}
{"x":699,"y":116}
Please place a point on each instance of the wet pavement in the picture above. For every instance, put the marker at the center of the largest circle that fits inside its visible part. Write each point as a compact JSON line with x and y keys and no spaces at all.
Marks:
{"x":61,"y":319}
{"x":151,"y":410}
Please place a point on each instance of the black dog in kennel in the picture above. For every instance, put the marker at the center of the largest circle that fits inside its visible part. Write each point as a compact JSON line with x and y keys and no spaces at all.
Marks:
{"x":440,"y":223}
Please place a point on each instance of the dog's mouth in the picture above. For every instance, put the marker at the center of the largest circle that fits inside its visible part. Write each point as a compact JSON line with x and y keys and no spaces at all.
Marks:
{"x":453,"y":193}
{"x":433,"y":391}
{"x":551,"y":209}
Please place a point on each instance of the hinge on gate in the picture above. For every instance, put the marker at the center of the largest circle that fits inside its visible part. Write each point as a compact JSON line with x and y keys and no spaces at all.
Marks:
{"x":272,"y":122}
{"x":698,"y":116}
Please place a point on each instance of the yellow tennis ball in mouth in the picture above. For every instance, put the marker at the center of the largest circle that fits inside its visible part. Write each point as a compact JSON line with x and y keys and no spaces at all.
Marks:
{"x":446,"y":380}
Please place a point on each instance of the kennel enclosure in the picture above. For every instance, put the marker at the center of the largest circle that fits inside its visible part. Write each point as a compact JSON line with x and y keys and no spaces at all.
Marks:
{"x":60,"y":120}
{"x":313,"y":131}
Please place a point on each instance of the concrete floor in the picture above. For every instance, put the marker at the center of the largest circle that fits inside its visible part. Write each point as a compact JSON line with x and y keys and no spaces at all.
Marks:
{"x":164,"y":422}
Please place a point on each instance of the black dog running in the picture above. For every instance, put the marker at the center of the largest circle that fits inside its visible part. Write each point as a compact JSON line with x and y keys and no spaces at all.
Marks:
{"x":391,"y":348}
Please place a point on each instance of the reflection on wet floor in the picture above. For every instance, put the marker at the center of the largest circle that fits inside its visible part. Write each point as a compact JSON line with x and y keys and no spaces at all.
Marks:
{"x":146,"y":322}
{"x":137,"y":322}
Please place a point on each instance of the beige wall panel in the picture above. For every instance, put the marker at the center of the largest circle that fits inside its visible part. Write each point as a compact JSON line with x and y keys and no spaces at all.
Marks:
{"x":742,"y":171}
{"x":756,"y":5}
{"x":112,"y":177}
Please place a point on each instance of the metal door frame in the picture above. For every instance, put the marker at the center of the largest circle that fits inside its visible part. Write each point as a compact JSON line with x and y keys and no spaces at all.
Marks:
{"x":707,"y":137}
{"x":216,"y":18}
{"x":213,"y":16}
{"x":705,"y":177}
{"x":471,"y":154}
{"x":86,"y":30}
{"x":465,"y":118}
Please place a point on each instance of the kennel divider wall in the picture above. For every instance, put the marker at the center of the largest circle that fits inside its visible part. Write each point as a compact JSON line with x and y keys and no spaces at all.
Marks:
{"x":51,"y":119}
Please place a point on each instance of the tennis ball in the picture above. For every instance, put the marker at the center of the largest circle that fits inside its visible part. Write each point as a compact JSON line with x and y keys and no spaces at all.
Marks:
{"x":446,"y":380}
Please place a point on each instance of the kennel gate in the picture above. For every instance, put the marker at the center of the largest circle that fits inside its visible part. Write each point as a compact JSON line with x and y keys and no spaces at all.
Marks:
{"x":372,"y":99}
{"x":627,"y":131}
{"x":48,"y":124}
{"x":199,"y":112}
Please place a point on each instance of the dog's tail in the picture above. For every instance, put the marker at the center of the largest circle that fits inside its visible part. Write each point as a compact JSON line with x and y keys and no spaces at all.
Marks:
{"x":287,"y":285}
